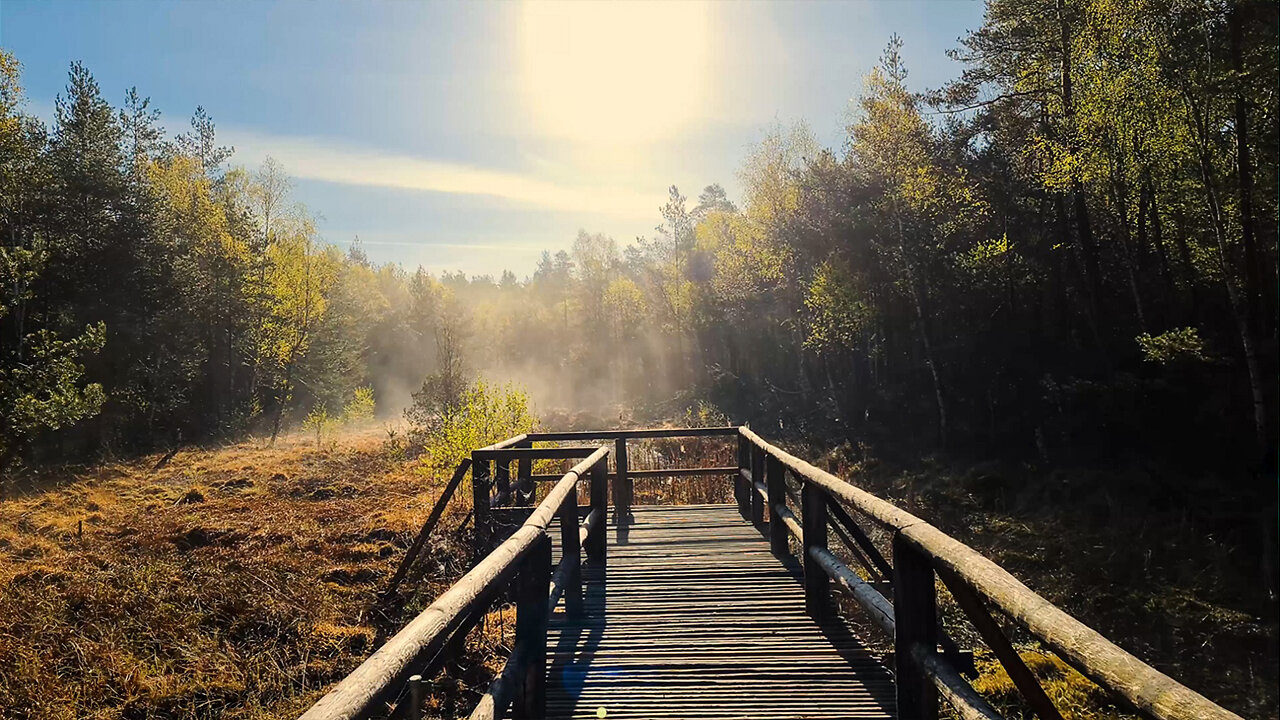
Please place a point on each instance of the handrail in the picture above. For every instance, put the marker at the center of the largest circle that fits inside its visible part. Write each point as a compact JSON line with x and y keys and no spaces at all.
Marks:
{"x":387,"y":670}
{"x":1153,"y":694}
{"x":726,"y":430}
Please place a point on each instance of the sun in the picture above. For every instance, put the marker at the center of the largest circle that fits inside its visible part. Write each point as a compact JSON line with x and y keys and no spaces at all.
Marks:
{"x":615,"y":73}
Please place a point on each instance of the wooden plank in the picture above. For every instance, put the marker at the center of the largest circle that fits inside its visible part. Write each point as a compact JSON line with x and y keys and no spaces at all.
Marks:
{"x":555,"y":453}
{"x":697,"y":619}
{"x":640,"y":433}
{"x":666,"y":472}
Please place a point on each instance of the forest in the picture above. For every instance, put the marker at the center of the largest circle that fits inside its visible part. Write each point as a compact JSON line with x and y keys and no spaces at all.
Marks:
{"x":1065,"y":255}
{"x":1068,"y":249}
{"x":1063,"y":261}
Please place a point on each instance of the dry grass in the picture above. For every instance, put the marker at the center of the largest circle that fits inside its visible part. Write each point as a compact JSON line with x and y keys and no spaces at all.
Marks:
{"x":1071,"y":693}
{"x":234,"y":582}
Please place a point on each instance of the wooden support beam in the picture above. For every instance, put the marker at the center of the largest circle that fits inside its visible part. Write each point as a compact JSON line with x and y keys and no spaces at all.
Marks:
{"x":860,"y":536}
{"x":915,"y":625}
{"x":635,"y":434}
{"x":817,"y":586}
{"x":416,"y":649}
{"x":571,"y":553}
{"x":1004,"y":651}
{"x":741,"y":484}
{"x":757,"y":476}
{"x":775,"y":481}
{"x":621,"y":487}
{"x":852,"y":546}
{"x":421,"y":540}
{"x":531,"y":632}
{"x":597,"y":542}
{"x":482,"y":522}
{"x":524,"y":473}
{"x":502,"y":481}
{"x":556,"y":453}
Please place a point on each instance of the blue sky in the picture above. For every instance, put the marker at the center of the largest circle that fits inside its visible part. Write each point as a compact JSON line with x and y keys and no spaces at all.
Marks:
{"x":473,"y":136}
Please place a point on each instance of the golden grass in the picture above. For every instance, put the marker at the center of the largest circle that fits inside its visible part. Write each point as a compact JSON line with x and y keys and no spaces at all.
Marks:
{"x":1075,"y":696}
{"x":234,"y":582}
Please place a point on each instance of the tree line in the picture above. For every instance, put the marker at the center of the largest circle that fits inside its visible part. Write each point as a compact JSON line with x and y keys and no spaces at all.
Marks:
{"x":153,"y":295}
{"x":1066,"y":252}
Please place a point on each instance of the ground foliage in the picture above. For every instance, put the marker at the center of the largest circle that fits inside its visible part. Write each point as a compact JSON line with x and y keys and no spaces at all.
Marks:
{"x":234,"y":582}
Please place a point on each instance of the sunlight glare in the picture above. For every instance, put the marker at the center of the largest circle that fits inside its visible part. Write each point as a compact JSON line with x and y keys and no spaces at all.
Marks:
{"x":615,"y":73}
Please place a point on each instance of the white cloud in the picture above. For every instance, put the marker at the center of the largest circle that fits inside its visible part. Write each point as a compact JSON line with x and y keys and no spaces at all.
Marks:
{"x":322,"y":159}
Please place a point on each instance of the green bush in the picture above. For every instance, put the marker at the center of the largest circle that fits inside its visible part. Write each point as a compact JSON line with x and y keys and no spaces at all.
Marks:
{"x":319,"y":421}
{"x":483,"y":415}
{"x":1180,"y":344}
{"x":360,"y":408}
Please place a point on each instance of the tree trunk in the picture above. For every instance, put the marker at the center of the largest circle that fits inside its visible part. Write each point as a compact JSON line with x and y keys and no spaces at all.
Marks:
{"x":1084,"y":229}
{"x":1157,"y":242}
{"x":1252,"y":265}
{"x":918,"y":301}
{"x":1121,"y":192}
{"x":1238,"y":308}
{"x":285,"y":390}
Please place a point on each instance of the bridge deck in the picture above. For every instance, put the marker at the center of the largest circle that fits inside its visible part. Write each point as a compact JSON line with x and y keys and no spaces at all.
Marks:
{"x":698,"y":620}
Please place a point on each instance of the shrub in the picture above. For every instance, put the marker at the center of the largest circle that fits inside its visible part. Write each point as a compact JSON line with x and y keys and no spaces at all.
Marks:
{"x":1180,"y":344}
{"x":360,"y":408}
{"x":483,"y":415}
{"x":318,"y":422}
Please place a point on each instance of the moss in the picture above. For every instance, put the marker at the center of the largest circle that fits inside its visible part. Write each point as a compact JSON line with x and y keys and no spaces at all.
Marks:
{"x":1074,"y":695}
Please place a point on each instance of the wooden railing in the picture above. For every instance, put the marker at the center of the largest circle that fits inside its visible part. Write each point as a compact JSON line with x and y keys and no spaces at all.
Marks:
{"x":522,"y":561}
{"x":920,"y":554}
{"x":925,"y":659}
{"x":494,"y":488}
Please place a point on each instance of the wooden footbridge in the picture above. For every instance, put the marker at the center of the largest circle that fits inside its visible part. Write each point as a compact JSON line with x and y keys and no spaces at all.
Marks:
{"x":722,"y":611}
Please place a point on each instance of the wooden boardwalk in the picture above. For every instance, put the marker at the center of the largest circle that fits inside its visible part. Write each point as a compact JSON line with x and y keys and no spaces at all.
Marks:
{"x":695,"y":613}
{"x":697,"y":619}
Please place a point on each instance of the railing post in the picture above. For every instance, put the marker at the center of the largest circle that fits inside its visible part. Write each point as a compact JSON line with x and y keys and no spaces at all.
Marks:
{"x":480,"y":505}
{"x":531,"y":631}
{"x":415,"y":697}
{"x":502,"y":482}
{"x":741,"y":490}
{"x":621,"y":487}
{"x":571,"y":547}
{"x":916,"y":625}
{"x":776,"y":481}
{"x":813,"y":525}
{"x":598,"y":540}
{"x":757,"y":476}
{"x":524,"y":468}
